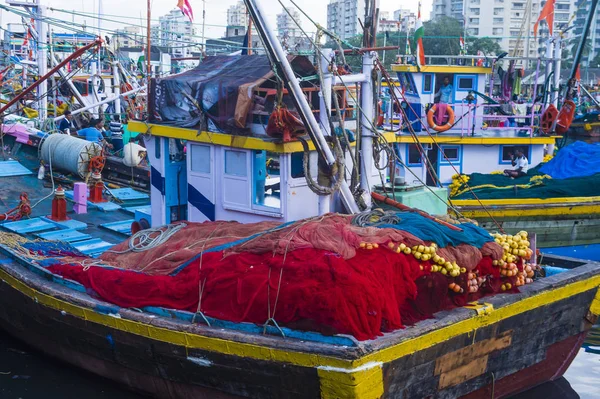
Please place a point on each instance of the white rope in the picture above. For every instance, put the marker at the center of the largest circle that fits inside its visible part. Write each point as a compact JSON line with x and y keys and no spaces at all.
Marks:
{"x":145,"y":240}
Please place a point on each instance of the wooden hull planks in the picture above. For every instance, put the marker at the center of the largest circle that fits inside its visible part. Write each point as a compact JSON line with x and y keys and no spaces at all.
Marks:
{"x":527,"y":339}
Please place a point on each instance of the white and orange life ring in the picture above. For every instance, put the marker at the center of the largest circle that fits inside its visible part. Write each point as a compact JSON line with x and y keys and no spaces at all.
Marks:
{"x":441,"y":128}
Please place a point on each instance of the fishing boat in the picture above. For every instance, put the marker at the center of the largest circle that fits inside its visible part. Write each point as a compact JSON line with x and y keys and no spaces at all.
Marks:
{"x":293,"y":299}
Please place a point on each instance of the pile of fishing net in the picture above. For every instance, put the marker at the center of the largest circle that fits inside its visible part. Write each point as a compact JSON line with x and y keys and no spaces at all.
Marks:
{"x":573,"y":172}
{"x":361,"y":275}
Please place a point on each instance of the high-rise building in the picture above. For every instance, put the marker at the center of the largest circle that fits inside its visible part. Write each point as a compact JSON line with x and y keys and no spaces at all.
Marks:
{"x":583,"y":9}
{"x":237,"y":15}
{"x":177,"y":34}
{"x":407,"y":19}
{"x":289,"y":32}
{"x":343,"y":15}
{"x":129,"y":36}
{"x":509,"y":22}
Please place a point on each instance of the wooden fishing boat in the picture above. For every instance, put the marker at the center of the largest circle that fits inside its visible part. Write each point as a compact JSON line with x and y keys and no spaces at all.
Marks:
{"x":558,"y":222}
{"x":504,"y":345}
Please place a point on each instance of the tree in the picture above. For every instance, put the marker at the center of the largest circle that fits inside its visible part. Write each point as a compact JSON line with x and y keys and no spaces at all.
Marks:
{"x":441,"y":36}
{"x":485,"y":44}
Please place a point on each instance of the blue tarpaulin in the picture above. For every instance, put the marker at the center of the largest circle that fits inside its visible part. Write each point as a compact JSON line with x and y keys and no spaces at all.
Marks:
{"x":576,"y":160}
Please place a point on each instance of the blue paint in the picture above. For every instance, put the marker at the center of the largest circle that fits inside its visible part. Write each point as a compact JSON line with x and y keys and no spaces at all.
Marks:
{"x":457,"y":89}
{"x":175,"y":188}
{"x":106,"y":309}
{"x":128,"y":194}
{"x":68,"y":224}
{"x":133,"y":209}
{"x":432,"y":86}
{"x":408,"y":163}
{"x":111,"y":341}
{"x":122,"y":226}
{"x":551,"y":270}
{"x":93,"y":247}
{"x":156,"y":180}
{"x":200,"y":202}
{"x":67,"y":235}
{"x":13,"y":168}
{"x":33,"y":225}
{"x":251,"y":328}
{"x":585,"y":252}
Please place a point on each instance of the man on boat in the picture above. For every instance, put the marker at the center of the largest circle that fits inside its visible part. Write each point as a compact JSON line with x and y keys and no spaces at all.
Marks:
{"x":520,"y":165}
{"x":66,"y":125}
{"x":445,"y":92}
{"x":93,"y":133}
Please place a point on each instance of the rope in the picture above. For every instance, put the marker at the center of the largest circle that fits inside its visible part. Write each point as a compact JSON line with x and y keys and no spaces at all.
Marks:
{"x":145,"y":240}
{"x":338,"y":166}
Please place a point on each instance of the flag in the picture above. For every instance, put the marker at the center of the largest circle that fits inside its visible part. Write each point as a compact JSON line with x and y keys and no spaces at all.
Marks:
{"x":419,"y":40}
{"x":547,"y":13}
{"x":578,"y":74}
{"x":186,"y":9}
{"x":462,"y":46}
{"x":407,"y":50}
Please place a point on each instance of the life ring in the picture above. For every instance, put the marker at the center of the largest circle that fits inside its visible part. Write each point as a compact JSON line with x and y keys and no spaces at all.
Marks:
{"x":442,"y":128}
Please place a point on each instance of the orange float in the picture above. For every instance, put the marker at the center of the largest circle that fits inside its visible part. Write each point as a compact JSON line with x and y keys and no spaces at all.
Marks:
{"x":548,"y":118}
{"x":441,"y":128}
{"x":565,"y":117}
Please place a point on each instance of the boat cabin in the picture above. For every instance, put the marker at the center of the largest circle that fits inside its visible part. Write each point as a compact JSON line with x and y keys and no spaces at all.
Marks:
{"x":475,"y":131}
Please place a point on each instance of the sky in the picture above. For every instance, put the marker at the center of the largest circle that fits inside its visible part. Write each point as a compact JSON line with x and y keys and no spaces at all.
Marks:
{"x":133,"y":12}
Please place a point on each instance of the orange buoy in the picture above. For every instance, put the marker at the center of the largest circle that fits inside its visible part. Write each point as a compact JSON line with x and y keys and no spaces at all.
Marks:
{"x":441,"y":128}
{"x":565,"y":117}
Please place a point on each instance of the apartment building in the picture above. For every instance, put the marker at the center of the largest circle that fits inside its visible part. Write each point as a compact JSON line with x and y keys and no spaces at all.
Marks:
{"x":237,"y":15}
{"x":289,"y":30}
{"x":506,"y":21}
{"x":129,"y":36}
{"x":343,"y":15}
{"x":583,"y":10}
{"x":407,"y":19}
{"x":177,"y":34}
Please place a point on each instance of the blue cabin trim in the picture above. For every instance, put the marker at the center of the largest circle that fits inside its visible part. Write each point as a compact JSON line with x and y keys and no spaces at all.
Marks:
{"x":453,"y":161}
{"x":473,"y":87}
{"x":201,"y":203}
{"x":432,"y":87}
{"x":157,"y":180}
{"x":408,"y":163}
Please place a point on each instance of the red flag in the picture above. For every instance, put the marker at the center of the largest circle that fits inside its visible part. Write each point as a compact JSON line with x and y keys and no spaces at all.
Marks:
{"x":547,"y":14}
{"x":578,"y":74}
{"x":186,"y":9}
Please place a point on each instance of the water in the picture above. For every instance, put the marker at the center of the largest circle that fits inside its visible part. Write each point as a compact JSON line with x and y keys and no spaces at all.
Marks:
{"x":26,"y":374}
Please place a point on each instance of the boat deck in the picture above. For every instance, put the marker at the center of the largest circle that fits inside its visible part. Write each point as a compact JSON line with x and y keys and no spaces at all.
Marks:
{"x":91,"y":233}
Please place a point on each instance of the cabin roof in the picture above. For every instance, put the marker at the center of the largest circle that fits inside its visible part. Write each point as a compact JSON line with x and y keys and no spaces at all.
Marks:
{"x":441,"y":69}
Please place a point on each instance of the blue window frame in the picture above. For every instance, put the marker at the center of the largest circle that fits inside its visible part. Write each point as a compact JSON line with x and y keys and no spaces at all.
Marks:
{"x":506,"y":150}
{"x":465,"y":82}
{"x":157,"y":144}
{"x":407,"y":82}
{"x":413,"y":156}
{"x":428,"y":83}
{"x":451,"y":153}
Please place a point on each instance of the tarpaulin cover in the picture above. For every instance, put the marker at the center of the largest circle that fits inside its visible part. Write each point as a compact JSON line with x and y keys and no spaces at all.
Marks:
{"x":300,"y":285}
{"x":221,"y":86}
{"x":575,"y":160}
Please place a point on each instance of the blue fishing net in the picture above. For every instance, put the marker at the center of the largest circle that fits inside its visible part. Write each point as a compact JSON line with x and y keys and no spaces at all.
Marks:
{"x":430,"y":230}
{"x":576,"y":160}
{"x":52,"y":248}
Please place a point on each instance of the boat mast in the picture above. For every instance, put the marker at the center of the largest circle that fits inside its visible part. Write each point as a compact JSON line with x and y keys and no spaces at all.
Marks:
{"x":284,"y":69}
{"x":148,"y":40}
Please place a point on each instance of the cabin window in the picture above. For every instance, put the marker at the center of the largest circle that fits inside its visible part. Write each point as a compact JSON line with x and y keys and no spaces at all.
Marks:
{"x":266,"y":180}
{"x":297,"y":165}
{"x":507,"y":150}
{"x":176,"y":153}
{"x":235,"y":163}
{"x":157,"y":143}
{"x":200,"y":158}
{"x":466,"y":83}
{"x":427,"y":83}
{"x":450,"y":153}
{"x":414,"y":156}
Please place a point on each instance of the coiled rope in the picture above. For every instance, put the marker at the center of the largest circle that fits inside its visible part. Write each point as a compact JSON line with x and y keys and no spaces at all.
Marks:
{"x":147,"y":239}
{"x":338,"y":167}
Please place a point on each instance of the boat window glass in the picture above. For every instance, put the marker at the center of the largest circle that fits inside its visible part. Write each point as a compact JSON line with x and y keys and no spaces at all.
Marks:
{"x":235,"y":163}
{"x":414,"y":156}
{"x":507,"y":150}
{"x":176,"y":153}
{"x":297,"y":164}
{"x":450,"y":153}
{"x":157,"y":143}
{"x":266,"y":179}
{"x":466,"y":83}
{"x":427,"y":83}
{"x":200,"y":161}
